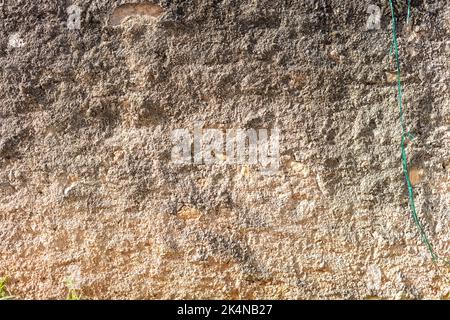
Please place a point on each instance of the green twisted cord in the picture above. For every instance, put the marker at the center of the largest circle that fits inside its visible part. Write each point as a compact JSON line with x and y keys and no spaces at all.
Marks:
{"x":405,"y":136}
{"x":409,"y":11}
{"x":408,"y":19}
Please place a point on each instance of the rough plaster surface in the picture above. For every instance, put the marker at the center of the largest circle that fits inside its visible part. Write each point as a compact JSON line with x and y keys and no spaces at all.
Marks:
{"x":88,"y":191}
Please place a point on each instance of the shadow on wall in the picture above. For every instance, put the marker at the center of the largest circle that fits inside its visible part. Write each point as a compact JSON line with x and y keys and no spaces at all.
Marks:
{"x":134,"y":10}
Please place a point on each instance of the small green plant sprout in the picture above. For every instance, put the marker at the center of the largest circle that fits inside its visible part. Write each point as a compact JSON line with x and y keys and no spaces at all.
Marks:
{"x":4,"y":294}
{"x":74,"y":293}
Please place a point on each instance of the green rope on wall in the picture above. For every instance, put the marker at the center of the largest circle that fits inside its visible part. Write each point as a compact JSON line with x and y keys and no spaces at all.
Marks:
{"x":407,"y":135}
{"x":408,"y":16}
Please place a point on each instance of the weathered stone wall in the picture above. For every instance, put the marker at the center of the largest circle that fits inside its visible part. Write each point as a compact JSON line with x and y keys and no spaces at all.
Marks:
{"x":88,"y":189}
